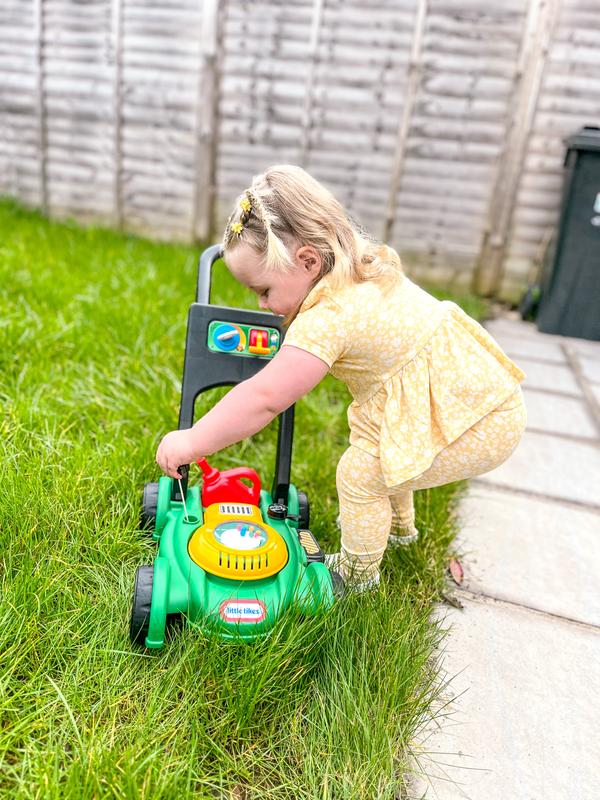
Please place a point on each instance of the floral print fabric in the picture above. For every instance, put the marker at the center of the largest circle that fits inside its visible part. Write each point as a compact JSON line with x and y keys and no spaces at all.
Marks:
{"x":421,"y":371}
{"x":369,"y":508}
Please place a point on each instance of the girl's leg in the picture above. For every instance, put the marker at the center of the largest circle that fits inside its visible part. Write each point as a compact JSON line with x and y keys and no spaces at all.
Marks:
{"x":404,"y":531}
{"x":366,"y":503}
{"x":365,"y":514}
{"x":403,"y":508}
{"x":480,"y":449}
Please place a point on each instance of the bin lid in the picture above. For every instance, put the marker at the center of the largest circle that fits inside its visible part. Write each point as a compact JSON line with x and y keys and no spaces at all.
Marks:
{"x":587,"y":138}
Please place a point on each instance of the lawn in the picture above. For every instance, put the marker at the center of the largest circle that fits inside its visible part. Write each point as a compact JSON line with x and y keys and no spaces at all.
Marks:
{"x":92,"y":333}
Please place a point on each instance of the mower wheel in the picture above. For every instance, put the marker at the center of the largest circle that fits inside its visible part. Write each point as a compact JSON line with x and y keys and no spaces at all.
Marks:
{"x":149,"y":507}
{"x":339,"y":587}
{"x":303,"y":511}
{"x":140,"y":611}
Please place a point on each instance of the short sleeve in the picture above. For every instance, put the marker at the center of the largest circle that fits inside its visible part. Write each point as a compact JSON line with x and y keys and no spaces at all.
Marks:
{"x":319,"y":330}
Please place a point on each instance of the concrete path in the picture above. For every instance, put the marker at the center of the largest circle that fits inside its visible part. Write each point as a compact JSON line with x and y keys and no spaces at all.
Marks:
{"x":522,"y":657}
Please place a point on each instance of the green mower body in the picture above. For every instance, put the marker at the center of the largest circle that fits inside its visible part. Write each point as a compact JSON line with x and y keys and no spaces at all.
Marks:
{"x":231,"y":608}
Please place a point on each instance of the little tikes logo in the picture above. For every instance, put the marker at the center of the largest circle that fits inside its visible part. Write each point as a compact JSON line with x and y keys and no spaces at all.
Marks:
{"x":246,"y":610}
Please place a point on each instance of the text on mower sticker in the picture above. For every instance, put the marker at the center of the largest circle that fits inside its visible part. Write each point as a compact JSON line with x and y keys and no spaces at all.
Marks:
{"x":242,"y":610}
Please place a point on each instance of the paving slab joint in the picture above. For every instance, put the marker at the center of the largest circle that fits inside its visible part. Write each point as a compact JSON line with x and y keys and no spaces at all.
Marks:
{"x":584,"y":384}
{"x":570,"y":437}
{"x":487,"y":599}
{"x":553,"y":392}
{"x":563,"y":501}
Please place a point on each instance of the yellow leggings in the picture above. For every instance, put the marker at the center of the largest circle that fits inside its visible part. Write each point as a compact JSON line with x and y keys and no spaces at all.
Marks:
{"x":368,"y":506}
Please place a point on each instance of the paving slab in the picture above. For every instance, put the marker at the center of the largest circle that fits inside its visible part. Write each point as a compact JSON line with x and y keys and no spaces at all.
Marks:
{"x":524,"y":347}
{"x":503,"y":326}
{"x":524,"y":723}
{"x":528,"y":334}
{"x":532,"y":552}
{"x":525,"y":650}
{"x":522,"y":329}
{"x":555,"y":414}
{"x":551,"y":466}
{"x":590,"y":367}
{"x":585,"y":347}
{"x":552,"y":377}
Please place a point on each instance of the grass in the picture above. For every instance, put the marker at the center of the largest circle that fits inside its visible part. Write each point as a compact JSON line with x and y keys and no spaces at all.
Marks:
{"x":91,"y":351}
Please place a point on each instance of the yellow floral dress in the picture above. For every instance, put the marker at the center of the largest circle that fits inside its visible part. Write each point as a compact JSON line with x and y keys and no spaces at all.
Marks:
{"x":420,"y":371}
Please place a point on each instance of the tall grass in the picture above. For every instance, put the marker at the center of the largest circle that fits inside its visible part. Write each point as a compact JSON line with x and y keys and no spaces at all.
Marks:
{"x":92,"y":334}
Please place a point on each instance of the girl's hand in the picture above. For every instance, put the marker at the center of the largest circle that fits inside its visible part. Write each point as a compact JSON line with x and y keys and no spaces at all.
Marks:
{"x":175,"y":449}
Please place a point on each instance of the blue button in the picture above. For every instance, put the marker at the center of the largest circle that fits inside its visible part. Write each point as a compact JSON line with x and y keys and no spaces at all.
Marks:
{"x":226,"y":337}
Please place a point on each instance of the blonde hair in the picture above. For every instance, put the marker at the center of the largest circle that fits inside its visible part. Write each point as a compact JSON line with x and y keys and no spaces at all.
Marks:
{"x":285,"y":206}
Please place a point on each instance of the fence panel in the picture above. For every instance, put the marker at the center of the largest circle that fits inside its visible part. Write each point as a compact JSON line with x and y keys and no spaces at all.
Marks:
{"x":21,"y":74}
{"x":438,"y":123}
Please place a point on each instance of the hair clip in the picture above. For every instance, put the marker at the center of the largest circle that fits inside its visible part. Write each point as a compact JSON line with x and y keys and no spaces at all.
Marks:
{"x":237,"y":227}
{"x":245,"y":204}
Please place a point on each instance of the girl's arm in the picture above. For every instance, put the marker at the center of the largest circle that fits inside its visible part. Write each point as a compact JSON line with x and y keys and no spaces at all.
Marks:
{"x":245,"y":410}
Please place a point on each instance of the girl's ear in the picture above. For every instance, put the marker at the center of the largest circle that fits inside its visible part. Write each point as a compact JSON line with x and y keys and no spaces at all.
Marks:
{"x":309,"y":259}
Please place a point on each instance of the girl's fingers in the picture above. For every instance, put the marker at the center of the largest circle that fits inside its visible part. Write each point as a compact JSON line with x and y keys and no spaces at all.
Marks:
{"x":172,"y":469}
{"x":169,"y":464}
{"x":163,"y":462}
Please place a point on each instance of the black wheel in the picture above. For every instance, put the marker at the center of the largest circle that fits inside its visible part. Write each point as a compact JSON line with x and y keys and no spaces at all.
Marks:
{"x":528,"y":308}
{"x":174,"y":623}
{"x":303,"y":511}
{"x":140,"y":611}
{"x":339,"y":587}
{"x":149,"y":506}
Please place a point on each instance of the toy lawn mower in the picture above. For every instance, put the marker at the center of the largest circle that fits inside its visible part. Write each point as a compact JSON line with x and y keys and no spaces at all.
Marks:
{"x":232,"y":558}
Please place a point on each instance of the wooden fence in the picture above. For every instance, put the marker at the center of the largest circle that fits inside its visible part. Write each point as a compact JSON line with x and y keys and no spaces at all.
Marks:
{"x":438,"y":123}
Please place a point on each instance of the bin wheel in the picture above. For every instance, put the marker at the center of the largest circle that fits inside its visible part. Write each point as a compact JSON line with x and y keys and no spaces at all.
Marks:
{"x":303,"y":510}
{"x":530,"y":303}
{"x":149,"y":506}
{"x":140,"y":610}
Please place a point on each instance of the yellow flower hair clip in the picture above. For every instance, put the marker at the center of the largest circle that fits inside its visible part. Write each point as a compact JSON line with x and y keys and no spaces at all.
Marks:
{"x":245,"y":204}
{"x":237,"y":227}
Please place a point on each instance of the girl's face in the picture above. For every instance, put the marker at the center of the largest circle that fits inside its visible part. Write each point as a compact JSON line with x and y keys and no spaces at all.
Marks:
{"x":279,"y":292}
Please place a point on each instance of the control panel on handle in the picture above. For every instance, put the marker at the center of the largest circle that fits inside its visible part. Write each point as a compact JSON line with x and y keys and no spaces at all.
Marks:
{"x":243,"y":340}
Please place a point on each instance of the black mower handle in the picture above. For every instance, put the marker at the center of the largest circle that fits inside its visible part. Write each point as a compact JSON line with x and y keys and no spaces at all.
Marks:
{"x":184,"y":471}
{"x":207,"y":259}
{"x":204,"y":369}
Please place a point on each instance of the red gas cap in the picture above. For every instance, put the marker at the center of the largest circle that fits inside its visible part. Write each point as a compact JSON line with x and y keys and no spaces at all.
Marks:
{"x":227,"y":486}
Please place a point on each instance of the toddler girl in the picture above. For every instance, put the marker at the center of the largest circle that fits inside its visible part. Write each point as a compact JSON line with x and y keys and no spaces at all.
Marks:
{"x":435,"y":399}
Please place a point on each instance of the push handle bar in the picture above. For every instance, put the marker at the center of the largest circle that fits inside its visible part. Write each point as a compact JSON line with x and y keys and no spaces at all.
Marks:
{"x":207,"y":259}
